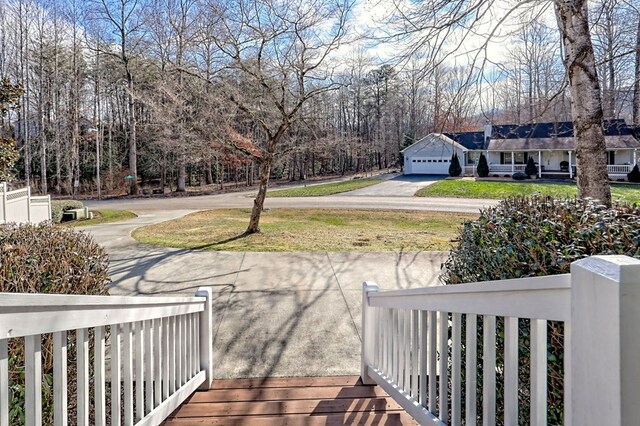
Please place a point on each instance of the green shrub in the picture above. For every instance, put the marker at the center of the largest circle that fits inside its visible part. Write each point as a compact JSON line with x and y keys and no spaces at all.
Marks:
{"x":533,"y":236}
{"x":483,"y":166}
{"x":58,"y":207}
{"x":47,"y":259}
{"x":536,"y":236}
{"x":531,"y":169}
{"x":454,"y":167}
{"x":634,"y":175}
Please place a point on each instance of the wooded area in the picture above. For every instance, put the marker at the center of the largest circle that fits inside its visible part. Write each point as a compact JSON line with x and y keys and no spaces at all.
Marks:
{"x":185,"y":93}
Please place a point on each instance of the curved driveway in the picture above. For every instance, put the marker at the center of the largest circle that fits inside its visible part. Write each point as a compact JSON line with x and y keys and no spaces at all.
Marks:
{"x":275,"y":314}
{"x":341,"y":201}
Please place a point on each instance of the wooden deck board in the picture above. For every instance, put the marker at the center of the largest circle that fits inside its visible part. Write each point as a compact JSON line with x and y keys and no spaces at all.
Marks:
{"x":286,"y":382}
{"x":279,"y":394}
{"x":291,"y":401}
{"x":361,"y":419}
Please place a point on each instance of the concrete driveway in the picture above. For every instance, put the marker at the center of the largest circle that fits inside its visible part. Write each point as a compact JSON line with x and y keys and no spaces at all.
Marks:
{"x":245,"y":200}
{"x":275,"y":314}
{"x":396,"y":186}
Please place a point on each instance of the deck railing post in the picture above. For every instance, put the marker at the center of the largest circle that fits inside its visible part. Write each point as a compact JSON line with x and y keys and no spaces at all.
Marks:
{"x":601,"y":368}
{"x":368,"y":333}
{"x":206,"y":338}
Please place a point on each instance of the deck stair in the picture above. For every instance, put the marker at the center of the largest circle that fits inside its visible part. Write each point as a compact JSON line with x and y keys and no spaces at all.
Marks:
{"x":333,"y":400}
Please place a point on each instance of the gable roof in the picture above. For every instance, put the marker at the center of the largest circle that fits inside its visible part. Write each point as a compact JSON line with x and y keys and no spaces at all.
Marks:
{"x":546,"y":136}
{"x":434,"y":137}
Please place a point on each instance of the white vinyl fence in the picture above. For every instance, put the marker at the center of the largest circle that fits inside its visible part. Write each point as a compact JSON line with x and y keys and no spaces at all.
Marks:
{"x":159,"y":351}
{"x":413,"y":345}
{"x":20,"y":206}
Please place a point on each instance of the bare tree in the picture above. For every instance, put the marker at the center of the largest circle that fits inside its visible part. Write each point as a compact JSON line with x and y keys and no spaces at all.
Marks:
{"x":277,"y":61}
{"x":124,"y":20}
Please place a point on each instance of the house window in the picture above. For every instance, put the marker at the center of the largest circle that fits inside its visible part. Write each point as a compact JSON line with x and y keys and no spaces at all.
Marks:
{"x":518,"y":157}
{"x":611,"y":157}
{"x":472,"y":157}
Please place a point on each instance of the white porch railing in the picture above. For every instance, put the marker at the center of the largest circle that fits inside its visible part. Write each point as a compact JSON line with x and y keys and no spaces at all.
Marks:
{"x":621,"y":169}
{"x":469,"y":170}
{"x":406,"y":348}
{"x":160,"y":351}
{"x":506,"y":168}
{"x":20,"y":206}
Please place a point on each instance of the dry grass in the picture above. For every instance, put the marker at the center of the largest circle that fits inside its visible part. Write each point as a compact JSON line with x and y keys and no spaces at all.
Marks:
{"x":308,"y":230}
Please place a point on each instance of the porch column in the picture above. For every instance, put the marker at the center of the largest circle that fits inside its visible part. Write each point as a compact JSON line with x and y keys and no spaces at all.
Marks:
{"x":539,"y":164}
{"x":635,"y":161}
{"x":464,"y":163}
{"x":570,"y":167}
{"x":513,"y":162}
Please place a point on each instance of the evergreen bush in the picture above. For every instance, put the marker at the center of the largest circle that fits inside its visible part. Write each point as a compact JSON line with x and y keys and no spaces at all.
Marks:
{"x":634,"y":175}
{"x":454,"y":167}
{"x":536,"y":236}
{"x":483,"y":166}
{"x":47,"y":259}
{"x":531,"y":169}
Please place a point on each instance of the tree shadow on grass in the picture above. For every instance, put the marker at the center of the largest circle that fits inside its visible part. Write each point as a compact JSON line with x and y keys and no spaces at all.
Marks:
{"x":219,"y":243}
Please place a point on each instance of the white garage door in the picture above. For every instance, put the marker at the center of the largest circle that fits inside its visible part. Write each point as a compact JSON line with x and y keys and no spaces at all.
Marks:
{"x":430,"y":165}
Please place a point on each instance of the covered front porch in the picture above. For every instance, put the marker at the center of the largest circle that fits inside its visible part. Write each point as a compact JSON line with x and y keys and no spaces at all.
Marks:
{"x":550,"y":163}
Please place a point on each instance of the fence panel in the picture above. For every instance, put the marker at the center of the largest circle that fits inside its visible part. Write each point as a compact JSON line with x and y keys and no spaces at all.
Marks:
{"x":20,"y":207}
{"x":40,"y":209}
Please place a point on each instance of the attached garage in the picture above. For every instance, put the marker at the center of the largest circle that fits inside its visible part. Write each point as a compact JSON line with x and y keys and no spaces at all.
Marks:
{"x":431,"y":155}
{"x":429,"y":166}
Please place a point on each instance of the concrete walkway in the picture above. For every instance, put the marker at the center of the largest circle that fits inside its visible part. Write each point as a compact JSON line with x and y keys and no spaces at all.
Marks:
{"x":275,"y":314}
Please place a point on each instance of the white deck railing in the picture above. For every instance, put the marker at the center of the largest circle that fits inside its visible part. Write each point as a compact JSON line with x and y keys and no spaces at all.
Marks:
{"x":506,"y":168}
{"x":159,"y":348}
{"x":621,"y":169}
{"x":469,"y":170}
{"x":20,"y":206}
{"x":412,"y":345}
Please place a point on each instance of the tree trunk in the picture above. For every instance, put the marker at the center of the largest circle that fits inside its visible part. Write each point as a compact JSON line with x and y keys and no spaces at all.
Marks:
{"x":258,"y":203}
{"x":209,"y":173}
{"x":586,"y":101}
{"x":58,"y":163}
{"x":43,"y":156}
{"x":636,"y":84}
{"x":133,"y":150}
{"x":182,"y":175}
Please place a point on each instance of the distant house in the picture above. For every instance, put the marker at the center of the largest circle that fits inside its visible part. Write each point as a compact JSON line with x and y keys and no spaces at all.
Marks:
{"x":508,"y":147}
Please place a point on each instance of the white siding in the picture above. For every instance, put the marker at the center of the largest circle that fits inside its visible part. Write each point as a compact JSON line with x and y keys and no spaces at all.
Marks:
{"x":431,"y":155}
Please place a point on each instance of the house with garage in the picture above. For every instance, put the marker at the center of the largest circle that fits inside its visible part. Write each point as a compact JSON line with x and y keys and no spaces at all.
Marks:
{"x":508,"y":148}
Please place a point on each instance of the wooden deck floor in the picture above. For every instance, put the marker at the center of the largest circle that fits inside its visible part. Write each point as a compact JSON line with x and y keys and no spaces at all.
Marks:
{"x":341,"y":400}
